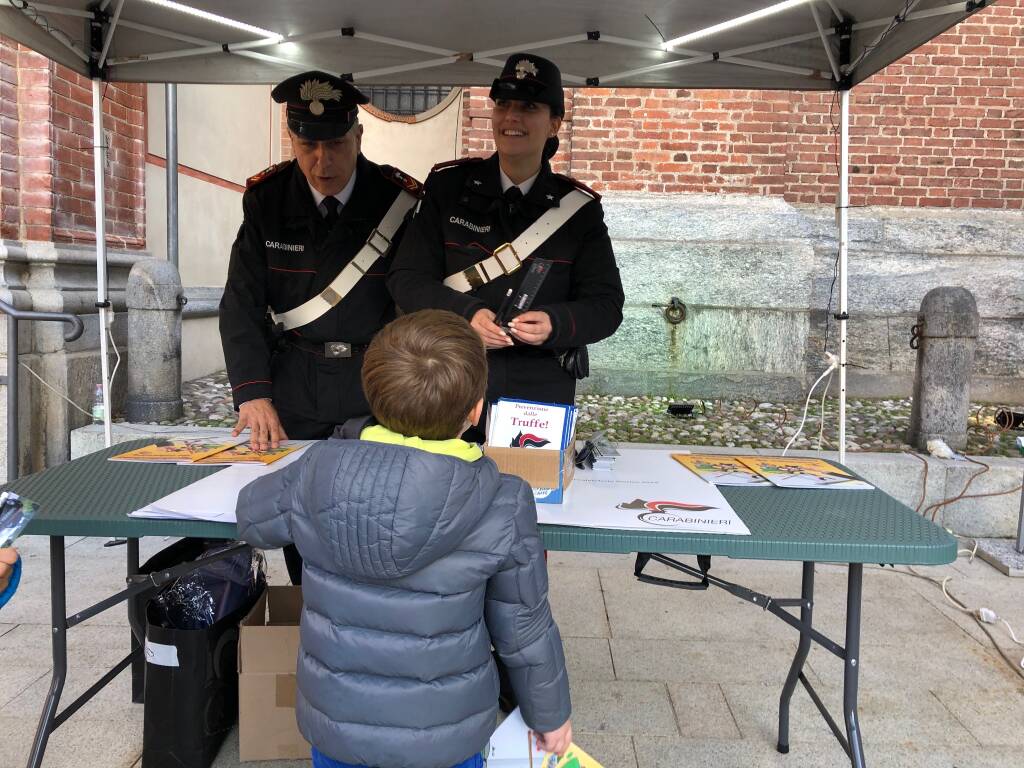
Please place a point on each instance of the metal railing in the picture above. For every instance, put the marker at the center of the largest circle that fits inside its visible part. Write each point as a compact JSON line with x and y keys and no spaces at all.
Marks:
{"x":14,"y":315}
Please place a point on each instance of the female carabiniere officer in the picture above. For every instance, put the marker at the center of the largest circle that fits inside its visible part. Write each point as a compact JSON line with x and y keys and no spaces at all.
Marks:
{"x":484,"y":221}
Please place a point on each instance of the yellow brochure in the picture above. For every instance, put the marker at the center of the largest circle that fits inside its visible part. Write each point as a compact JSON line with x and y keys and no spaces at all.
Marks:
{"x":177,"y":450}
{"x":719,"y":469}
{"x":244,"y":454}
{"x":787,"y":472}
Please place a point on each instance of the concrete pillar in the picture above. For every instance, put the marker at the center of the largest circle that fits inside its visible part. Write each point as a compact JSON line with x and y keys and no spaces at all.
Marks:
{"x":154,"y":298}
{"x":946,"y":335}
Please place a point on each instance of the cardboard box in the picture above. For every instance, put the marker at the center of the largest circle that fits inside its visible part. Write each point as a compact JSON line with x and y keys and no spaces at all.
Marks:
{"x":549,"y":473}
{"x":268,"y":647}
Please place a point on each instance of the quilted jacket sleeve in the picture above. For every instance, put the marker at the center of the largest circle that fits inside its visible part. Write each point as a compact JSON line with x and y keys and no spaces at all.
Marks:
{"x":519,"y":619}
{"x":265,"y":506}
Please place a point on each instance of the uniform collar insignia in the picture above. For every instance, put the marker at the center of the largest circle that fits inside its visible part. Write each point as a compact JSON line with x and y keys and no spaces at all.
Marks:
{"x":316,"y":92}
{"x":525,"y":67}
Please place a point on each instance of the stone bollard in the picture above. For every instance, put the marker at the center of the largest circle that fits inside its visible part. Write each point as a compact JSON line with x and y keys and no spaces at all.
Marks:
{"x":154,"y":298}
{"x":945,"y":337}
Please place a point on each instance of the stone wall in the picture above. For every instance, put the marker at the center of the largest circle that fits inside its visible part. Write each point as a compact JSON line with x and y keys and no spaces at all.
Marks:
{"x":755,"y":275}
{"x":57,"y":278}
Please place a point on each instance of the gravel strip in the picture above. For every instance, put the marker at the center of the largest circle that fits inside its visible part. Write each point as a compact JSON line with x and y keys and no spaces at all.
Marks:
{"x":871,"y":425}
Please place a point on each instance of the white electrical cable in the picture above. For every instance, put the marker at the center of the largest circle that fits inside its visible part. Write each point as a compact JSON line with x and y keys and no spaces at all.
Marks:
{"x":55,"y":390}
{"x":76,"y":406}
{"x":821,"y":424}
{"x":1013,"y":636}
{"x":981,"y":615}
{"x":117,"y":365}
{"x":833,"y":364}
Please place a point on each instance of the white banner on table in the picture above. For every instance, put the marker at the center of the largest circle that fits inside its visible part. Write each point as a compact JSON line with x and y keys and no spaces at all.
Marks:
{"x":646,"y":490}
{"x":212,"y":498}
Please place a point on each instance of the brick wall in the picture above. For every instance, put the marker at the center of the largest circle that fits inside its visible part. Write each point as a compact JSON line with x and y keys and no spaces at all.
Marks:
{"x":944,"y":126}
{"x":286,"y":139}
{"x":9,"y":181}
{"x":46,"y":155}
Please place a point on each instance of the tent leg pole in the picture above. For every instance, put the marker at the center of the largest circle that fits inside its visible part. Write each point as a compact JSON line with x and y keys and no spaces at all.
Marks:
{"x":171,"y":119}
{"x":99,"y":162}
{"x":844,"y":207}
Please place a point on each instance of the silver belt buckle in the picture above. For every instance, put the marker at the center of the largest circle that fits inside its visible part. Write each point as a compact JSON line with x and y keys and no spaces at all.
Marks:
{"x":337,"y":349}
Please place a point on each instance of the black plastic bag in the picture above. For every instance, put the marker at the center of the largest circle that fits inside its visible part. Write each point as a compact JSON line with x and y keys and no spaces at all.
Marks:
{"x":203,"y":597}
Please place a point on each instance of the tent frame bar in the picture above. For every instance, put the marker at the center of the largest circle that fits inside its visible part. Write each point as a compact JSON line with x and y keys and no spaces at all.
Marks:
{"x":701,"y":57}
{"x":890,"y":24}
{"x":108,"y":38}
{"x":824,"y":42}
{"x":57,"y":10}
{"x":297,"y":65}
{"x":29,"y":12}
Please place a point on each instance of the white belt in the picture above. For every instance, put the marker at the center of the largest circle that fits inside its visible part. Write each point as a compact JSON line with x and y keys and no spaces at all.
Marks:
{"x":507,"y":258}
{"x":376,"y":245}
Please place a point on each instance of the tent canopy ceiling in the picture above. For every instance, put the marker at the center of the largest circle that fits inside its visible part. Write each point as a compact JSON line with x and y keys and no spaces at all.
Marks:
{"x":452,"y":42}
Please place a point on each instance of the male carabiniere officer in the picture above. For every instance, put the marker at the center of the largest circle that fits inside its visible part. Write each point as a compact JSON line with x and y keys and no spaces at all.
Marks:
{"x":305,"y":291}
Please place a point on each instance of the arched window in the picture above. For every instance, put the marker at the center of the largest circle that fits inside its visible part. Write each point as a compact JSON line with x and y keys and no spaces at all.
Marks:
{"x":405,"y":99}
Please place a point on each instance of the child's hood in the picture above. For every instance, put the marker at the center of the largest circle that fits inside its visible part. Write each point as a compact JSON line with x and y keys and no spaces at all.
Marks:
{"x":392,"y":510}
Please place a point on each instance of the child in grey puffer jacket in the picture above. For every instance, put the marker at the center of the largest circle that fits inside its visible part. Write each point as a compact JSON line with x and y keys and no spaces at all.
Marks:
{"x":419,"y":555}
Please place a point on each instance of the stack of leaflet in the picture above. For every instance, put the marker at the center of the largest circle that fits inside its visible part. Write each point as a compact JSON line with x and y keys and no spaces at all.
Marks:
{"x":525,"y":424}
{"x":602,"y":453}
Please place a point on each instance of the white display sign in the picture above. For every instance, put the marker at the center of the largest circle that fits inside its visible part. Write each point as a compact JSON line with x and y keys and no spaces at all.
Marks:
{"x":646,"y":490}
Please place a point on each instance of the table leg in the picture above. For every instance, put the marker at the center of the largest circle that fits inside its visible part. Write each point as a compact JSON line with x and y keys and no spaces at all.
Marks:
{"x":59,"y":638}
{"x":803,"y":648}
{"x":851,"y":672}
{"x":137,"y":636}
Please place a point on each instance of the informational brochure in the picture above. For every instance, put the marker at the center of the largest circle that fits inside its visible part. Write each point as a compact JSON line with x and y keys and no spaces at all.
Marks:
{"x":719,"y":469}
{"x":243,"y":453}
{"x":645,"y":491}
{"x":178,"y":450}
{"x":787,"y":472}
{"x":513,"y":745}
{"x":525,"y":424}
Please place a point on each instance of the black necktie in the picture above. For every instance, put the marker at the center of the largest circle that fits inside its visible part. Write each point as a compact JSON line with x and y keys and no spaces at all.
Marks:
{"x":513,"y":197}
{"x":330,"y":208}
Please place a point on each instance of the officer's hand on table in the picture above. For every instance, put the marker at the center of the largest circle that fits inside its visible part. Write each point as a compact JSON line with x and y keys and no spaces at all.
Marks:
{"x":556,"y":741}
{"x":8,"y":557}
{"x":532,"y":327}
{"x":265,"y":430}
{"x":492,"y":335}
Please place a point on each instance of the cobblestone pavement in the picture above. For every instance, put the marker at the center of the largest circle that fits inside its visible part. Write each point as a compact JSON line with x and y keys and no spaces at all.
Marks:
{"x":872,"y":425}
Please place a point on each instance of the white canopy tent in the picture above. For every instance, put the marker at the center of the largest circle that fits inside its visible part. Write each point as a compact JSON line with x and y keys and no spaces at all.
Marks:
{"x":812,"y":45}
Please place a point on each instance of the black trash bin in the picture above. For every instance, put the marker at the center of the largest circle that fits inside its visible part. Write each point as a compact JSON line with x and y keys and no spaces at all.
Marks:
{"x":191,"y":675}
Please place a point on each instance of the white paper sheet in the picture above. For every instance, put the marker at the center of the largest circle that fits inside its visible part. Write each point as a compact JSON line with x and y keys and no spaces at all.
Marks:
{"x":213,"y":497}
{"x":646,"y":490}
{"x":511,"y":743}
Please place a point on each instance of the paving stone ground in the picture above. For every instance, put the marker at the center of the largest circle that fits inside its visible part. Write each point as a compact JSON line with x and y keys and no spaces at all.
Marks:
{"x":659,"y":677}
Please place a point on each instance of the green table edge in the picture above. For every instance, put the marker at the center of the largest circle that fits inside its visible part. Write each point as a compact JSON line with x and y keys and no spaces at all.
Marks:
{"x":136,"y":485}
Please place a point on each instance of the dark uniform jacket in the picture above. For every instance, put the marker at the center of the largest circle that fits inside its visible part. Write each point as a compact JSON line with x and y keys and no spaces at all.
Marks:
{"x":462,"y":220}
{"x":283,"y":256}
